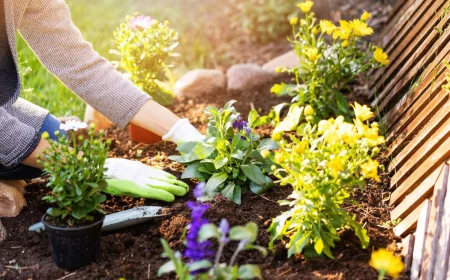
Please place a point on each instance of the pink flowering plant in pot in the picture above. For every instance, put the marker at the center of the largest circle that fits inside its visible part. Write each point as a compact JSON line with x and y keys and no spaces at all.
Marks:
{"x":146,"y":48}
{"x":232,"y":157}
{"x":199,"y":260}
{"x":76,"y":180}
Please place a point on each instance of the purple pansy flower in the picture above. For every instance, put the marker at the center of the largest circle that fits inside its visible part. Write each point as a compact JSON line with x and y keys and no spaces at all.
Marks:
{"x":140,"y":22}
{"x":195,"y":250}
{"x":242,"y":125}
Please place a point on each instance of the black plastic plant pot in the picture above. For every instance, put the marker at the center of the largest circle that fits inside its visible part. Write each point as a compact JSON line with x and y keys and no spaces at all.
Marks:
{"x":74,"y":247}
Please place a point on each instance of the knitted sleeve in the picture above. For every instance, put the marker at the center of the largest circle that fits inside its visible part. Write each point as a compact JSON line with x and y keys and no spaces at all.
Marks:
{"x":50,"y":32}
{"x":17,"y":140}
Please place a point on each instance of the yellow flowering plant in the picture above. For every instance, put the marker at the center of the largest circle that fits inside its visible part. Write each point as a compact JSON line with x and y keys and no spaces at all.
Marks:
{"x":323,"y":163}
{"x":330,"y":57}
{"x":146,"y":48}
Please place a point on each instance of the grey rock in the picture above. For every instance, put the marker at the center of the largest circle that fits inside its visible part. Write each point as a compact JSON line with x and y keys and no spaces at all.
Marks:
{"x":287,"y":60}
{"x":242,"y":77}
{"x":199,"y":82}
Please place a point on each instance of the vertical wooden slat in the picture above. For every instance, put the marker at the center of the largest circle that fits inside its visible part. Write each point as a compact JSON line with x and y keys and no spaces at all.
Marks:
{"x":443,"y":249}
{"x":419,"y":244}
{"x":429,"y":253}
{"x":407,"y":251}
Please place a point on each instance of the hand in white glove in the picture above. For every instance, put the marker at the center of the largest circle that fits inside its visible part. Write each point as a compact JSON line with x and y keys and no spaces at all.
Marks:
{"x":146,"y":177}
{"x":183,"y":131}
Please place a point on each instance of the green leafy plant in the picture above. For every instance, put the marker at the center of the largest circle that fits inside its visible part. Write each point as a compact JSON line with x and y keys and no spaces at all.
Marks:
{"x":330,"y":58}
{"x":146,"y":47}
{"x":262,"y":20}
{"x":323,"y":163}
{"x":198,"y":252}
{"x":232,"y":157}
{"x":76,"y":174}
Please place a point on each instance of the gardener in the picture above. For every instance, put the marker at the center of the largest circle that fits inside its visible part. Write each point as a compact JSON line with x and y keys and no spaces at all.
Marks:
{"x":47,"y":27}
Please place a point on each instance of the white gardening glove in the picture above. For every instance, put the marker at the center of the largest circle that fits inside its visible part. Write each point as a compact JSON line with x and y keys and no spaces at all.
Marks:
{"x":183,"y":131}
{"x":144,"y":176}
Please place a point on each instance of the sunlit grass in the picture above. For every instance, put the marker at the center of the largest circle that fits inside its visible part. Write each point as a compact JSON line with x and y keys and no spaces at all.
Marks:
{"x":97,"y":21}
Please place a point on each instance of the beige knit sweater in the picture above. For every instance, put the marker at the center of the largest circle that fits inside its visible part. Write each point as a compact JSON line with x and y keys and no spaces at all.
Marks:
{"x":47,"y":27}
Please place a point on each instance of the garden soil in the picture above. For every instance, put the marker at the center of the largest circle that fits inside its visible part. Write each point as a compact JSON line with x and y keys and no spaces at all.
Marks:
{"x":135,"y":253}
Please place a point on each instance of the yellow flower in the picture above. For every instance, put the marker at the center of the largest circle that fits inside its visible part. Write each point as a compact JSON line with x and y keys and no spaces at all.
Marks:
{"x":360,"y":28}
{"x":385,"y":262}
{"x":370,"y":170}
{"x":327,"y":27}
{"x":300,"y":147}
{"x":312,"y":53}
{"x":279,"y":158}
{"x":306,"y":6}
{"x":348,"y":133}
{"x":345,"y":44}
{"x":324,"y":126}
{"x":336,"y":166}
{"x":315,"y":30}
{"x":363,"y":113}
{"x":365,"y":16}
{"x":294,"y":20}
{"x":344,"y":31}
{"x":45,"y":135}
{"x":380,"y":56}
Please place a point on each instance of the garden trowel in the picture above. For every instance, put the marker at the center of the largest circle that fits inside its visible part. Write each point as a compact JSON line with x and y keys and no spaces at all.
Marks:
{"x":122,"y":219}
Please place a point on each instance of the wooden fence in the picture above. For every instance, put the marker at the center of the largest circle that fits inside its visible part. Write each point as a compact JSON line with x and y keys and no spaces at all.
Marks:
{"x":416,"y":112}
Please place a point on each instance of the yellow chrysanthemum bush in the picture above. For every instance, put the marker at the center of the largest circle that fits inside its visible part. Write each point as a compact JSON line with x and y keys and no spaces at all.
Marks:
{"x":331,"y":56}
{"x":146,"y":47}
{"x":323,"y":163}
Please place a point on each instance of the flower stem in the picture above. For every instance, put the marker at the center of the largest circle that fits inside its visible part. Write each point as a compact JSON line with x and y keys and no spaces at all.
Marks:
{"x":381,"y":276}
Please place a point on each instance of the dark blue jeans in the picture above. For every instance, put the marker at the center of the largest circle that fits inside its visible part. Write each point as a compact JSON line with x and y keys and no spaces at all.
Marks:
{"x":23,"y":172}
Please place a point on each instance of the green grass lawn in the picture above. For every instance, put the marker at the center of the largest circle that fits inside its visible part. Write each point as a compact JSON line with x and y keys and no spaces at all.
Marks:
{"x":97,"y":20}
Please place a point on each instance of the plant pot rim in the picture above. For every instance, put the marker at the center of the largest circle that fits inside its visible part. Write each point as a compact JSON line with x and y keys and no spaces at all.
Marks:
{"x":71,"y":229}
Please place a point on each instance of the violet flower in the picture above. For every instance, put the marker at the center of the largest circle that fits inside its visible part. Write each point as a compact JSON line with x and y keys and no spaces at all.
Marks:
{"x":196,"y":251}
{"x":224,"y":228}
{"x":140,"y":22}
{"x":242,"y":125}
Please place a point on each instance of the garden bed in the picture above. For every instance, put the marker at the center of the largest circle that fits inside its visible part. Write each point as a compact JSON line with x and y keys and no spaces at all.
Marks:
{"x":135,"y":253}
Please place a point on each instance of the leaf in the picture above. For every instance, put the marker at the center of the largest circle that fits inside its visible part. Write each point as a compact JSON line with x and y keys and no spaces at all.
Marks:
{"x":166,"y":268}
{"x":261,"y":249}
{"x":228,"y":190}
{"x":192,"y":171}
{"x":237,"y":195}
{"x":229,"y":104}
{"x":268,"y":144}
{"x":220,"y":161}
{"x":260,"y":189}
{"x":254,"y":173}
{"x":212,"y":110}
{"x":249,"y":271}
{"x":252,"y":118}
{"x":248,"y":232}
{"x":186,"y":147}
{"x":208,"y":231}
{"x":199,"y":265}
{"x":283,"y":89}
{"x":318,"y":245}
{"x":291,"y":121}
{"x":202,"y":151}
{"x":216,"y":180}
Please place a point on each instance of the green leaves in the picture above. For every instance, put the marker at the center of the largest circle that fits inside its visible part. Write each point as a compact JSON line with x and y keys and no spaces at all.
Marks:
{"x":254,"y":173}
{"x":248,"y":232}
{"x":229,"y":158}
{"x":76,"y":182}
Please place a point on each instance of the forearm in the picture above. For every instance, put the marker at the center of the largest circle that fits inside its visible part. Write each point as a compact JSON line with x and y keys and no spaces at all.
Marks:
{"x":31,"y":160}
{"x":155,"y":118}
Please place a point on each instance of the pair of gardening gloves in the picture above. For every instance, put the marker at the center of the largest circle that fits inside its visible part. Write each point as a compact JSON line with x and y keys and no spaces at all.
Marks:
{"x":135,"y":179}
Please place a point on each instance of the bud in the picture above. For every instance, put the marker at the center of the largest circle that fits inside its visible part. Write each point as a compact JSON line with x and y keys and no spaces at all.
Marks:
{"x":278,"y":70}
{"x":265,"y":153}
{"x":345,"y":44}
{"x":276,"y":136}
{"x":315,"y":30}
{"x":309,"y":111}
{"x":294,"y":20}
{"x":57,"y":133}
{"x":375,"y":151}
{"x":45,"y":135}
{"x":166,"y":23}
{"x":279,"y":158}
{"x":92,"y":126}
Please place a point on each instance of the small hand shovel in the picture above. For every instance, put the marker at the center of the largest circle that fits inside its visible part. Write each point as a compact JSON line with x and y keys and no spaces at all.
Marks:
{"x":122,"y":219}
